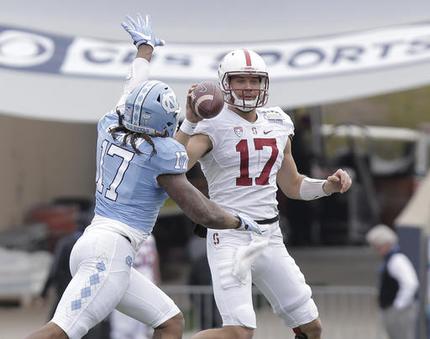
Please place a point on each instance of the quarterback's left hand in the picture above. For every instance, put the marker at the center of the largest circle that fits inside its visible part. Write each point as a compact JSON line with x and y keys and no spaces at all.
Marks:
{"x":140,"y":31}
{"x":339,"y":181}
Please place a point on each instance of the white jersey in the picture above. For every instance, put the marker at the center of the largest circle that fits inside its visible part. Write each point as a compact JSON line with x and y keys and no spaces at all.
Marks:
{"x":242,"y":166}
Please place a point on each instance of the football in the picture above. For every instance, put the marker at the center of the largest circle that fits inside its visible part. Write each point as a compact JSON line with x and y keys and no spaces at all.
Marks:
{"x":207,"y":100}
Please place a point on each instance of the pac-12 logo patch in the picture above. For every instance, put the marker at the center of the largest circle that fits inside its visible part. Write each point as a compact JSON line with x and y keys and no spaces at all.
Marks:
{"x":238,"y":131}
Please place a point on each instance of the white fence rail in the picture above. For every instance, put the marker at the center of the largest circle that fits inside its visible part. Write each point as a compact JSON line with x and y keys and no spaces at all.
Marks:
{"x":346,"y":312}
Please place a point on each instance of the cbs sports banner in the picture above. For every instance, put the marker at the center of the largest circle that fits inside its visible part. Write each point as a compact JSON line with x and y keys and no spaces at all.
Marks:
{"x":302,"y":72}
{"x":34,"y":51}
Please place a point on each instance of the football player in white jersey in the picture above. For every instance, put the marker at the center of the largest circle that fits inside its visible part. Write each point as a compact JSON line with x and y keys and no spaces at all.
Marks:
{"x":138,"y":164}
{"x":245,"y":154}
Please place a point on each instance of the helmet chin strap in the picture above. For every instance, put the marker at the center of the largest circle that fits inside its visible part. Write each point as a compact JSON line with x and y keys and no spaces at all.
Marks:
{"x":250,"y":105}
{"x":245,"y":110}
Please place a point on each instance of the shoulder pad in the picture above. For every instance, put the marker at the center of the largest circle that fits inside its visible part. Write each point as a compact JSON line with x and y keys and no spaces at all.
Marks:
{"x":276,"y":115}
{"x":167,"y":146}
{"x":205,"y":126}
{"x":273,"y":114}
{"x":171,"y":156}
{"x":108,"y":120}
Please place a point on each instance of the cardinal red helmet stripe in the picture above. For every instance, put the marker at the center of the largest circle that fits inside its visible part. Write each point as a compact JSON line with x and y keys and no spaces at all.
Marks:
{"x":247,"y":58}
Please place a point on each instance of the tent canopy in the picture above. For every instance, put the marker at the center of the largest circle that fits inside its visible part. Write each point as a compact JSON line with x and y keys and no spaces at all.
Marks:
{"x":67,"y":61}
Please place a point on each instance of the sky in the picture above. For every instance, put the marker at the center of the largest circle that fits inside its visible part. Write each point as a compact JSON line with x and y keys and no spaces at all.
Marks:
{"x":217,"y":21}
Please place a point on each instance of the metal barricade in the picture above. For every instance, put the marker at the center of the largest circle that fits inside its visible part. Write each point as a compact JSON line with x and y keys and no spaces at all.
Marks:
{"x":346,"y":312}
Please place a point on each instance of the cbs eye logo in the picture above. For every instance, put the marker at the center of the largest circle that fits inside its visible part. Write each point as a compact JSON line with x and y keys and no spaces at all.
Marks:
{"x":21,"y":49}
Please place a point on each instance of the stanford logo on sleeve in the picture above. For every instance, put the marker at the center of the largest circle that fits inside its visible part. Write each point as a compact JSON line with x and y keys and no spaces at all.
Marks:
{"x":238,"y":131}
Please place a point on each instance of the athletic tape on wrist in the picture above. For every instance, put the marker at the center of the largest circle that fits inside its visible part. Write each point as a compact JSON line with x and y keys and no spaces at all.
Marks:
{"x":312,"y":189}
{"x":188,"y":127}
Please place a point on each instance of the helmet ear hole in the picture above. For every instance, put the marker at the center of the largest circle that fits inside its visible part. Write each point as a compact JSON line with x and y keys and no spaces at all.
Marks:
{"x":159,"y":98}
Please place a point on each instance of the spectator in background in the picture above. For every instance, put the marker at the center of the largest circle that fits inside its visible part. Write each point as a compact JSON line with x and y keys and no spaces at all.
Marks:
{"x":147,"y":263}
{"x":398,"y":284}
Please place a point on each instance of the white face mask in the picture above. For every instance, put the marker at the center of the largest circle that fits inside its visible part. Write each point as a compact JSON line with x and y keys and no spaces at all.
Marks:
{"x":244,"y":105}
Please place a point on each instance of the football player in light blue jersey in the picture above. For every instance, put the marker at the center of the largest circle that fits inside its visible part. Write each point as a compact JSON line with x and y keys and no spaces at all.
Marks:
{"x":138,"y":164}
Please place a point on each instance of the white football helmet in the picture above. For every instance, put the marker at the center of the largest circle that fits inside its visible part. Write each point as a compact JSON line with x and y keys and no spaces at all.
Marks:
{"x":243,"y":62}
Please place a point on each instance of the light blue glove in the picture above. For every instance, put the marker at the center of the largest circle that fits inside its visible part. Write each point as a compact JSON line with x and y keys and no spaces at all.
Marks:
{"x":141,"y":31}
{"x":248,"y":224}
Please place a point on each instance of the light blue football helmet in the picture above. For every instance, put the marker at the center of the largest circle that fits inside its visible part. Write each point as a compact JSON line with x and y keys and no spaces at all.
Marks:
{"x":151,"y":108}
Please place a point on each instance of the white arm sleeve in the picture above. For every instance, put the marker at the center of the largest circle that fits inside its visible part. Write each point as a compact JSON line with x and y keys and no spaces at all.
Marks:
{"x":139,"y":72}
{"x":311,"y":189}
{"x":402,"y":270}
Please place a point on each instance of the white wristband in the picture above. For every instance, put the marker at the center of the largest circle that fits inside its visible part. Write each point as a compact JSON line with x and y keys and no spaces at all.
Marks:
{"x":188,"y":127}
{"x":312,"y":189}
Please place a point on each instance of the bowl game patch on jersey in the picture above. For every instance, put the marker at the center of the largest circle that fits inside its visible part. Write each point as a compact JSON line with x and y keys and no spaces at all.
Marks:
{"x":277,"y":116}
{"x":274,"y":114}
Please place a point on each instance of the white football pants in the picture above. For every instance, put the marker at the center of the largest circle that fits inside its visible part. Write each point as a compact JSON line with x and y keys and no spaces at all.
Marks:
{"x":273,"y":271}
{"x":103,"y":279}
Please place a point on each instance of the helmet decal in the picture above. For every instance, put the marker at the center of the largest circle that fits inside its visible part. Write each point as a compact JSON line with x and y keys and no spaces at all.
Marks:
{"x":169,"y":102}
{"x":137,"y":107}
{"x":247,"y":57}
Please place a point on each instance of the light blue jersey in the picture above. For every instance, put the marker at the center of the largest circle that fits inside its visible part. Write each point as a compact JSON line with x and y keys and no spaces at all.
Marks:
{"x":127,"y":188}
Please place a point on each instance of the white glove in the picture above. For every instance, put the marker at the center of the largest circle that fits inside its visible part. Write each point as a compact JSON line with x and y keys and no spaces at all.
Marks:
{"x":248,"y":224}
{"x":245,"y":256}
{"x":141,"y":31}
